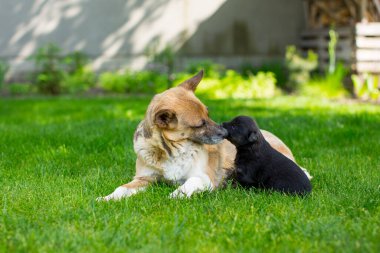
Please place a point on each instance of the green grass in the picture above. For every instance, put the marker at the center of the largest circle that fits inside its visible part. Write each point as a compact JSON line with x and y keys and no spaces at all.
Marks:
{"x":58,"y":155}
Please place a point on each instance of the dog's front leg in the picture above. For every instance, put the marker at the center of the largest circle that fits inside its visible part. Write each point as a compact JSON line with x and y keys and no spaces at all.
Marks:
{"x":192,"y":185}
{"x":127,"y":190}
{"x":145,"y":176}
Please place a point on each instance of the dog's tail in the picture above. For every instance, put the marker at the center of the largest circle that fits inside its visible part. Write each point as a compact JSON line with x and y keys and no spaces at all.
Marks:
{"x":307,"y":173}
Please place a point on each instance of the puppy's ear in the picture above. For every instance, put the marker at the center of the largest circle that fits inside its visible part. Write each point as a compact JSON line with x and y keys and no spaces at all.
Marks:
{"x":253,"y":137}
{"x":192,"y":83}
{"x":166,"y":119}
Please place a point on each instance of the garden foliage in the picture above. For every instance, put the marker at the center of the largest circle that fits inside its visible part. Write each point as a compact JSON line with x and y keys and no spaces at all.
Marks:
{"x":147,"y":82}
{"x":57,"y":73}
{"x":329,"y":85}
{"x":234,"y":85}
{"x":366,"y":86}
{"x":299,"y":68}
{"x":49,"y":72}
{"x":276,"y":67}
{"x":78,"y":76}
{"x":3,"y":70}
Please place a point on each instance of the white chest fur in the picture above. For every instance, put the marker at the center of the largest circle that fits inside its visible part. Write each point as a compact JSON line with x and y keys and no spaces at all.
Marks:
{"x":189,"y":160}
{"x":186,"y":159}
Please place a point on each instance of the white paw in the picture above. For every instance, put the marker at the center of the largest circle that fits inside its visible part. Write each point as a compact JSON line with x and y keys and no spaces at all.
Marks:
{"x":178,"y":194}
{"x":307,"y":173}
{"x":119,"y":193}
{"x":191,"y":186}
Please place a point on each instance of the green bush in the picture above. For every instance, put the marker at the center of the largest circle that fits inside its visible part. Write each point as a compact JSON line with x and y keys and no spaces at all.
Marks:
{"x":75,"y":61}
{"x":328,"y":86}
{"x":113,"y":82}
{"x":78,"y":76}
{"x":263,"y":85}
{"x":366,"y":86}
{"x":49,"y":69}
{"x":234,"y":85}
{"x":298,"y":67}
{"x":276,"y":67}
{"x":211,"y":69}
{"x":16,"y":89}
{"x":161,"y":61}
{"x":146,"y":82}
{"x":133,"y":82}
{"x":3,"y":70}
{"x":332,"y":50}
{"x":79,"y":81}
{"x":56,"y":73}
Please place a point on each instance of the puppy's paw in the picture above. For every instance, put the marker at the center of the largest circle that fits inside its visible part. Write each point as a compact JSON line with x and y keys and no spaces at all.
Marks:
{"x":307,"y":173}
{"x":119,"y":193}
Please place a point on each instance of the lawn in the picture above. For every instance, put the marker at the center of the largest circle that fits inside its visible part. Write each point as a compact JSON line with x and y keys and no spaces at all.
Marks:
{"x":58,"y":154}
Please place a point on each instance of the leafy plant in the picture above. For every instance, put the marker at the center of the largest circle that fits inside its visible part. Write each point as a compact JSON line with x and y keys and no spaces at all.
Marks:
{"x":163,"y":60}
{"x":146,"y":82}
{"x":166,"y":57}
{"x":133,"y":82}
{"x":234,"y":85}
{"x":79,"y":81}
{"x":16,"y":89}
{"x":276,"y":67}
{"x":3,"y":70}
{"x":331,"y":84}
{"x":113,"y":82}
{"x":49,"y":69}
{"x":263,"y":85}
{"x":211,"y":69}
{"x":299,"y":68}
{"x":328,"y":86}
{"x":78,"y":76}
{"x":57,"y":73}
{"x":332,"y":49}
{"x":366,"y":86}
{"x":75,"y":61}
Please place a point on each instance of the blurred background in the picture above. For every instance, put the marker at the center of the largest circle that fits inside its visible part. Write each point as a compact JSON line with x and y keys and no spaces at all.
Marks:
{"x":249,"y":49}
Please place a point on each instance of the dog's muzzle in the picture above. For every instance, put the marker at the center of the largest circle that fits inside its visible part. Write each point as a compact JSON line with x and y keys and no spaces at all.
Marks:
{"x":223,"y":126}
{"x":213,"y":137}
{"x":224,"y":132}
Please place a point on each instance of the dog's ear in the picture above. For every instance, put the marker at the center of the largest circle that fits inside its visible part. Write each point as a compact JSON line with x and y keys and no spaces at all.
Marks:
{"x":253,"y":137}
{"x":192,"y":83}
{"x":166,"y":119}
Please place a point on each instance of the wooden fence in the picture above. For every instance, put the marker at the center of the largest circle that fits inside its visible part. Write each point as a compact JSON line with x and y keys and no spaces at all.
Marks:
{"x":367,"y":42}
{"x":358,"y":47}
{"x":317,"y":40}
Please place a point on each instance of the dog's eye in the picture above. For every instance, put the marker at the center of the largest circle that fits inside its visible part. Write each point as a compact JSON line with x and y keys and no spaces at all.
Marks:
{"x":203,"y":123}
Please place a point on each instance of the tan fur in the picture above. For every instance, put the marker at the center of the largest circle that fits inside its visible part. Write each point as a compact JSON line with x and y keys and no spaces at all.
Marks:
{"x":221,"y":162}
{"x":277,"y":144}
{"x":177,"y":121}
{"x":137,"y":183}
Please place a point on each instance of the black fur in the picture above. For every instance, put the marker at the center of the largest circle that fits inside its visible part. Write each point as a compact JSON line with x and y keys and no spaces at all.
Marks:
{"x":261,"y":166}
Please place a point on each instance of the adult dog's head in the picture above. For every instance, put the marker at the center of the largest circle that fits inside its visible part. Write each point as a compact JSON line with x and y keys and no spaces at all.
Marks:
{"x":179,"y":115}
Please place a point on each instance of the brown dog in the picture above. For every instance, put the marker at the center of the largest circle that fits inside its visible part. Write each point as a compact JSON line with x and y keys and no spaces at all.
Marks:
{"x":179,"y":143}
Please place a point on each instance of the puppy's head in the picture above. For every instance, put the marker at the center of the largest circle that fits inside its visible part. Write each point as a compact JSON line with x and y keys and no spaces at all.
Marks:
{"x":242,"y":130}
{"x":180,"y":115}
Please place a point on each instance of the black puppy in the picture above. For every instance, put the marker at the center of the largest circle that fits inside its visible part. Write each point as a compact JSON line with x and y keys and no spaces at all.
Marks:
{"x":261,"y":166}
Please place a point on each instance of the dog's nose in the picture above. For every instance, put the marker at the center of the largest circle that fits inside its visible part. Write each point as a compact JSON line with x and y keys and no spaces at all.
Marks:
{"x":223,"y":132}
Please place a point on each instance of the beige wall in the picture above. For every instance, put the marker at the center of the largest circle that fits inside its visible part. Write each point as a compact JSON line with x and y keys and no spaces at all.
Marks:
{"x":115,"y":33}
